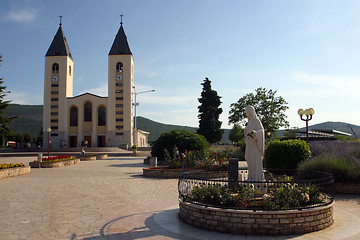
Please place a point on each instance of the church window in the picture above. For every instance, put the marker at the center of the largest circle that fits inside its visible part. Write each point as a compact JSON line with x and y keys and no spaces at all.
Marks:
{"x":73,"y":116}
{"x":101,"y":116}
{"x":119,"y":67}
{"x":87,"y":112}
{"x":69,"y":70}
{"x":55,"y":68}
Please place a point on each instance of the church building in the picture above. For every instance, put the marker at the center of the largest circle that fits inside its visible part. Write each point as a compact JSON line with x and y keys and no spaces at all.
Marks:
{"x":100,"y":121}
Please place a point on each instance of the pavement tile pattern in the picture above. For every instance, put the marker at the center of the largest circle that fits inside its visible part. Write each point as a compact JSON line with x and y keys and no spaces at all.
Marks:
{"x":109,"y":199}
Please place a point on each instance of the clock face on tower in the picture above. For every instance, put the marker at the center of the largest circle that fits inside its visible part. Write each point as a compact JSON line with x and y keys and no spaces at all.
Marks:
{"x":119,"y":77}
{"x":54,"y":79}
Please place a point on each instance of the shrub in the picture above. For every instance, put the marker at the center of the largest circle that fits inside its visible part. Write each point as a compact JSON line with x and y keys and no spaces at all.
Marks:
{"x":343,"y":170}
{"x":338,"y":149}
{"x":292,"y":196}
{"x":284,"y":196}
{"x":286,"y":154}
{"x":180,"y":139}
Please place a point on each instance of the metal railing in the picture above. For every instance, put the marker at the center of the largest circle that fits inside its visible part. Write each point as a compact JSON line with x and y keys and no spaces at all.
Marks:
{"x":255,"y":190}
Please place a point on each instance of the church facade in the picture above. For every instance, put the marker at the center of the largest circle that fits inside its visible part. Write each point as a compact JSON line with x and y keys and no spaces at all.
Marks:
{"x":70,"y":120}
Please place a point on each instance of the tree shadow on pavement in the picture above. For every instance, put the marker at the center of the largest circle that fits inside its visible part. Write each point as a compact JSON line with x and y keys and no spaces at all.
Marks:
{"x":150,"y":229}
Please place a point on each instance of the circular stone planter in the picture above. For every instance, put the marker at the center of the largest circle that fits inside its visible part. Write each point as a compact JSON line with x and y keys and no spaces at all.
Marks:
{"x":101,"y":156}
{"x":54,"y":164}
{"x":161,"y":172}
{"x":282,"y":222}
{"x":88,"y":158}
{"x":12,"y":172}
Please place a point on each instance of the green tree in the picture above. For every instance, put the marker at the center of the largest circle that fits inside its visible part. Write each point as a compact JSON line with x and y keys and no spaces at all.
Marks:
{"x":5,"y":131}
{"x":27,"y":138}
{"x":18,"y":137}
{"x":236,"y":133}
{"x":291,"y":133}
{"x":209,"y":112}
{"x":182,"y":140}
{"x":269,"y":108}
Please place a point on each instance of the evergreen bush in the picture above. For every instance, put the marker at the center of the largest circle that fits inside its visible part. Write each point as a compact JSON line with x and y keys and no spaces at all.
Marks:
{"x":286,"y":154}
{"x":178,"y":140}
{"x":343,"y":170}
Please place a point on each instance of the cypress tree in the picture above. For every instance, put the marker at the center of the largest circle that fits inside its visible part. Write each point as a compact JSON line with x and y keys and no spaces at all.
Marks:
{"x":209,"y":112}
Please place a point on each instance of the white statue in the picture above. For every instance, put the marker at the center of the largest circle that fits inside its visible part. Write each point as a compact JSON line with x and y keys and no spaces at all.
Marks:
{"x":255,"y":145}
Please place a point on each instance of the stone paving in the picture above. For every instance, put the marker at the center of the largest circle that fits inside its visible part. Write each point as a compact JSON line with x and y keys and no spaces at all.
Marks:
{"x":109,"y":199}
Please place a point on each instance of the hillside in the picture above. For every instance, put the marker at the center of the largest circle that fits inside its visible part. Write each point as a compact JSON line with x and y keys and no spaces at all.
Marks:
{"x":29,"y":118}
{"x":30,"y":121}
{"x":156,"y":129}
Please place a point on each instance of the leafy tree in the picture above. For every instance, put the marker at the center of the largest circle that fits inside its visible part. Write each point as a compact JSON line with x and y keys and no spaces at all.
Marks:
{"x":209,"y":112}
{"x":27,"y":138}
{"x":291,"y":133}
{"x":236,"y":133}
{"x":5,"y":131}
{"x":181,"y":139}
{"x":269,"y":108}
{"x":18,"y":138}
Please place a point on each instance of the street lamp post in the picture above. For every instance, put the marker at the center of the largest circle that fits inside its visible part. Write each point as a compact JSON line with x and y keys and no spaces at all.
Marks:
{"x":48,"y":132}
{"x":308,"y":113}
{"x":137,"y":104}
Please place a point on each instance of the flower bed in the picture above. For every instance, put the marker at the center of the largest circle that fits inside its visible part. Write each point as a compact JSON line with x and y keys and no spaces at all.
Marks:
{"x":53,"y":162}
{"x":285,"y":202}
{"x":13,"y":169}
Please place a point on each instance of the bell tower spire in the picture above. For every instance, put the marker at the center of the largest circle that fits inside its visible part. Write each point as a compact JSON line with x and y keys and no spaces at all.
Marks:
{"x":120,"y":89}
{"x":58,"y":85}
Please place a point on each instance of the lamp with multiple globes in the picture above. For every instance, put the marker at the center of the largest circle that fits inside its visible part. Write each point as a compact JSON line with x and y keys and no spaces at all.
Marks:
{"x":308,"y":113}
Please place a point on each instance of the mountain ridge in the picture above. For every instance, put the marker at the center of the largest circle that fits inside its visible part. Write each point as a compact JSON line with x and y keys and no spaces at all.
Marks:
{"x":30,"y":121}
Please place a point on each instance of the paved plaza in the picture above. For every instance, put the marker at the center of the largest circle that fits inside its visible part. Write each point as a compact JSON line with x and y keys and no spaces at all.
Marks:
{"x":109,"y":199}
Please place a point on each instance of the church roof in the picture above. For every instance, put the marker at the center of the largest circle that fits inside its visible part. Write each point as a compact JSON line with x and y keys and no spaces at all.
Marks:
{"x":120,"y":45}
{"x":59,"y":46}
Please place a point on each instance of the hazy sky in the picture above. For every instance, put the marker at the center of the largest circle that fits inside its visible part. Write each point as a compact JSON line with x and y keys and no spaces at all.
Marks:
{"x":306,"y":50}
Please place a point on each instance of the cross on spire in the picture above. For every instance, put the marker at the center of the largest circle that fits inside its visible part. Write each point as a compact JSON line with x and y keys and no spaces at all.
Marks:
{"x":121,"y":19}
{"x":60,"y":20}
